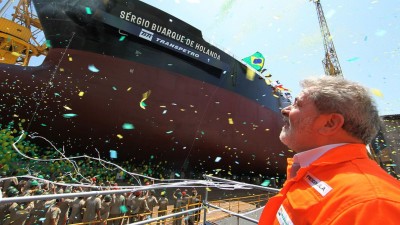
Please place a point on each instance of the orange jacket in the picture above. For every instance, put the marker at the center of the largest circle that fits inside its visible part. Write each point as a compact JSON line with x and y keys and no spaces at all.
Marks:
{"x":342,"y":187}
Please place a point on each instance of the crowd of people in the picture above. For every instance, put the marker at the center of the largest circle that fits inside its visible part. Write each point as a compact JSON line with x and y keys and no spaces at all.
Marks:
{"x":110,"y":209}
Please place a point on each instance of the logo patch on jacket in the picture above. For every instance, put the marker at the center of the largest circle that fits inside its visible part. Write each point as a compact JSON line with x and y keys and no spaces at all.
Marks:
{"x":320,"y":186}
{"x":283,"y":217}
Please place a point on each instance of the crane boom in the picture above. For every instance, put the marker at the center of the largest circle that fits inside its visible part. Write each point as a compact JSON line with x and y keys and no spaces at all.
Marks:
{"x":331,"y":62}
{"x":19,"y":35}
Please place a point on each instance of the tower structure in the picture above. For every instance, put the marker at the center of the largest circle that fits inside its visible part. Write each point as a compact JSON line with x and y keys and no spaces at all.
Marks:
{"x":330,"y":62}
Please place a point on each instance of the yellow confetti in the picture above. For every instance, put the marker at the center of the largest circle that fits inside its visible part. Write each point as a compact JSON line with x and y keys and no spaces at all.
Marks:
{"x":70,"y":59}
{"x":129,"y":88}
{"x":268,"y":81}
{"x":120,"y":136}
{"x":250,"y":74}
{"x":208,"y":189}
{"x":145,"y":96}
{"x":15,"y":54}
{"x":230,"y":120}
{"x":276,"y":96}
{"x":376,"y":92}
{"x":81,"y":93}
{"x":67,"y":108}
{"x":62,"y":69}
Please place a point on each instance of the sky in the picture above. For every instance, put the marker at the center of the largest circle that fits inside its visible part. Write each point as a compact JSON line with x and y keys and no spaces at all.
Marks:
{"x":366,"y":35}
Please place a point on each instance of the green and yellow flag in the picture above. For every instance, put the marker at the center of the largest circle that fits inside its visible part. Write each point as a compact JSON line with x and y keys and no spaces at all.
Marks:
{"x":256,"y":61}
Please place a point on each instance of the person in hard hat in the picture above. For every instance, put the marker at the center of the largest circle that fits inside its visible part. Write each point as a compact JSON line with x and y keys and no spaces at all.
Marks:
{"x":77,"y":206}
{"x":39,"y":209}
{"x":53,"y":213}
{"x":105,"y":209}
{"x":178,"y":207}
{"x":194,"y":202}
{"x":92,"y":208}
{"x":117,"y":201}
{"x":162,"y":206}
{"x":30,"y":187}
{"x":331,"y":179}
{"x":10,"y":181}
{"x":151,"y":200}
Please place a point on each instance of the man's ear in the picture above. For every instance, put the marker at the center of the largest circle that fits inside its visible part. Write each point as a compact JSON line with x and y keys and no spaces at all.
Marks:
{"x":332,"y":123}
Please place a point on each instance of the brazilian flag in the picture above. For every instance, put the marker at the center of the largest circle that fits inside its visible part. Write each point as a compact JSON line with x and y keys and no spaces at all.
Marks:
{"x":256,"y":61}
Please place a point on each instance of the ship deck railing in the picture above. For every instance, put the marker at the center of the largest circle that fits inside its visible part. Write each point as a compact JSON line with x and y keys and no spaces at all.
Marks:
{"x":206,"y":212}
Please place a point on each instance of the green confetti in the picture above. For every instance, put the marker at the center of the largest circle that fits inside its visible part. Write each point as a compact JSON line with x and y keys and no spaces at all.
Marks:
{"x":43,"y":125}
{"x":88,"y":11}
{"x":123,"y":209}
{"x":70,"y":115}
{"x":48,"y":43}
{"x":169,"y":132}
{"x":266,"y":183}
{"x":122,"y":38}
{"x":353,"y":59}
{"x":143,"y":104}
{"x":128,"y":126}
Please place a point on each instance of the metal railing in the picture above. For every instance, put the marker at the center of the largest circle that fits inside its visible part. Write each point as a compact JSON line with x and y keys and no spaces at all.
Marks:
{"x":237,"y":206}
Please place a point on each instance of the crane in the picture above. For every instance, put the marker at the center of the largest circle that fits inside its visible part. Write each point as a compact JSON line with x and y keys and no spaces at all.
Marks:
{"x":331,"y":62}
{"x":19,"y":35}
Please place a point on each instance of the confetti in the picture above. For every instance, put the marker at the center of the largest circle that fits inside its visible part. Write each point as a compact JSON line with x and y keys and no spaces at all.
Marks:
{"x":145,"y":96}
{"x":353,"y":59}
{"x":376,"y":92}
{"x":250,"y":74}
{"x":380,"y":33}
{"x":164,"y":112}
{"x":266,"y":183}
{"x":69,"y":115}
{"x":48,"y":43}
{"x":217,"y":159}
{"x":81,"y":93}
{"x":88,"y":11}
{"x":113,"y":154}
{"x":15,"y":54}
{"x":93,"y":68}
{"x":70,"y":59}
{"x":123,"y":209}
{"x":169,"y":132}
{"x":128,"y":126}
{"x":67,"y":108}
{"x":122,"y":38}
{"x":120,"y":136}
{"x":230,"y":120}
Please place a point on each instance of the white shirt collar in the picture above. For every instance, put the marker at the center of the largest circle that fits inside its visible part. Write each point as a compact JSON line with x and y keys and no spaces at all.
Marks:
{"x":307,"y":157}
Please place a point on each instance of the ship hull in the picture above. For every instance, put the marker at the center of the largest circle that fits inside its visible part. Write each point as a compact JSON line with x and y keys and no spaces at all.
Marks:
{"x":197,"y":117}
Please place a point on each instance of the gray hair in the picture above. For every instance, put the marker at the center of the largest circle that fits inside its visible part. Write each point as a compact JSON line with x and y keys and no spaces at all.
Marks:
{"x":352,"y":100}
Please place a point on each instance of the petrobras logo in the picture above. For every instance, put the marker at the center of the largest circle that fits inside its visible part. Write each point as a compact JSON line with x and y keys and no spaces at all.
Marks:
{"x":320,"y":186}
{"x":145,"y":34}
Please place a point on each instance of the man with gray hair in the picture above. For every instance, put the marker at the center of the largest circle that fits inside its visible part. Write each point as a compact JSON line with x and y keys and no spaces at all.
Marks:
{"x":330,"y":179}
